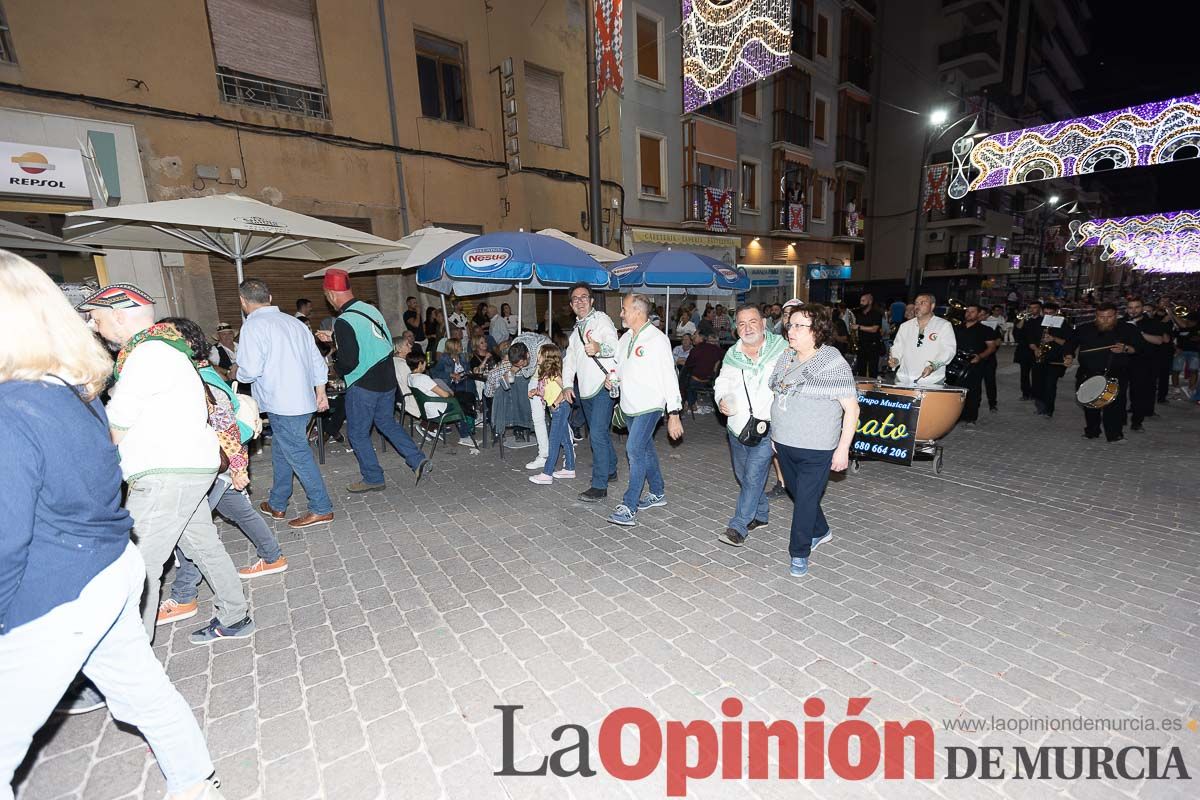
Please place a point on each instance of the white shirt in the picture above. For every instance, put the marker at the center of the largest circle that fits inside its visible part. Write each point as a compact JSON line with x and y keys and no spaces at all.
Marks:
{"x":595,"y":327}
{"x":402,"y":373}
{"x":425,"y":384}
{"x":279,"y":357}
{"x":937,"y":347}
{"x":728,"y":388}
{"x":646,"y":372}
{"x":686,"y":328}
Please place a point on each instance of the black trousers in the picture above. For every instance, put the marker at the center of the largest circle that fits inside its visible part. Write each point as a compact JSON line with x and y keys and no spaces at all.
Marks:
{"x":1111,"y":417}
{"x":1045,"y":387}
{"x":867,"y":364}
{"x":1163,"y":379}
{"x":973,"y":383}
{"x":1142,"y":379}
{"x":1026,"y":378}
{"x":989,"y":380}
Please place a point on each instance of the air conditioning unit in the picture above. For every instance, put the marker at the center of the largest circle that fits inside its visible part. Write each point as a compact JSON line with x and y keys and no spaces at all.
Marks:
{"x":937,"y":236}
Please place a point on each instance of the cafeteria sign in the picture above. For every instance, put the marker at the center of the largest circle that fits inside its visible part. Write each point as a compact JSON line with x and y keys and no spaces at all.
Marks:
{"x":887,"y":427}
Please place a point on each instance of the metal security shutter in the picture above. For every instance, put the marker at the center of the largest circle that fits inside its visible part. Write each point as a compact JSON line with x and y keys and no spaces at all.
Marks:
{"x":273,"y":39}
{"x":287,"y":282}
{"x":543,"y":98}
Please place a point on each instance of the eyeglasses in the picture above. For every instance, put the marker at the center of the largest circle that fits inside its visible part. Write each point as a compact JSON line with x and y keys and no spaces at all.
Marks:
{"x":797,"y":326}
{"x":583,"y":298}
{"x":920,"y":338}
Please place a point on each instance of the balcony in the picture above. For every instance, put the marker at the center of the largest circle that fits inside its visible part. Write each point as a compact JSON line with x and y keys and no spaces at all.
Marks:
{"x":709,"y":207}
{"x":238,"y":87}
{"x":850,"y":225}
{"x":852,"y":151}
{"x":792,"y":129}
{"x":958,"y":213}
{"x":979,"y":12}
{"x":802,"y":41}
{"x":856,"y":70}
{"x":944,"y":262}
{"x":789,"y":219}
{"x":977,"y":55}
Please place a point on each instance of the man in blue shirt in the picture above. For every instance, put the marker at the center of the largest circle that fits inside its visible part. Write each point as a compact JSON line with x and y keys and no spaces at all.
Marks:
{"x":364,"y":359}
{"x":279,"y":356}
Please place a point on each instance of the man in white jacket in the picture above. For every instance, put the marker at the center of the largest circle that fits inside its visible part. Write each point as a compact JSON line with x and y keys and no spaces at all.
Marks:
{"x":741,"y":392}
{"x":646,"y":376}
{"x":924,"y":345}
{"x":591,"y":359}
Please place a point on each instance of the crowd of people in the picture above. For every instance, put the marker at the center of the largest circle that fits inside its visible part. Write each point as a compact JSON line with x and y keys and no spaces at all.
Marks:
{"x":171,"y":417}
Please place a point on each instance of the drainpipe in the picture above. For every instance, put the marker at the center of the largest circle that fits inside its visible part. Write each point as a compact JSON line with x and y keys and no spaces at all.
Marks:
{"x":391,"y":96}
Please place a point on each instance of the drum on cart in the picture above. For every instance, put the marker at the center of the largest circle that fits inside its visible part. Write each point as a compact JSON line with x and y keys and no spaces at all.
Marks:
{"x":940,"y":409}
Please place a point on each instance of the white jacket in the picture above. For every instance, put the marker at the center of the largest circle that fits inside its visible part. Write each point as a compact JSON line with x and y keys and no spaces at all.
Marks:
{"x":595,"y":327}
{"x":728,"y":388}
{"x":937,"y":348}
{"x":646,"y":372}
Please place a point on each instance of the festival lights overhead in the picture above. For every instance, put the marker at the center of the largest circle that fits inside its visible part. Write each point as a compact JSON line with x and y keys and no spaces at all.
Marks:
{"x":1116,"y":233}
{"x":1151,"y":133}
{"x":728,"y":44}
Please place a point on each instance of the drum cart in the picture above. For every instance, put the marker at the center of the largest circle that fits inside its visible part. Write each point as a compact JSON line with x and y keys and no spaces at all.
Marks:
{"x":938,"y":410}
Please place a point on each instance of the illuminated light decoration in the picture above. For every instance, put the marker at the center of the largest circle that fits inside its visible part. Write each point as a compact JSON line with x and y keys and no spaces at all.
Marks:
{"x":728,"y":44}
{"x":1178,"y":254}
{"x":1110,"y":232}
{"x":1152,"y":133}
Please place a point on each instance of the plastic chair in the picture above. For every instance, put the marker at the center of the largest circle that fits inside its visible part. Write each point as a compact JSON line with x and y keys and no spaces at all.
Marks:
{"x":450,"y":415}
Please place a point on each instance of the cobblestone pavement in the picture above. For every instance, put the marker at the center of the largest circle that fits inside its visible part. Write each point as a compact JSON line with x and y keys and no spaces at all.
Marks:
{"x":1041,"y":575}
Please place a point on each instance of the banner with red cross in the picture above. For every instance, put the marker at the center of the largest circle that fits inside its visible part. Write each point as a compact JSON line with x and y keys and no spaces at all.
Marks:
{"x":933,"y":192}
{"x":795,"y":219}
{"x":609,"y":45}
{"x":718,"y":209}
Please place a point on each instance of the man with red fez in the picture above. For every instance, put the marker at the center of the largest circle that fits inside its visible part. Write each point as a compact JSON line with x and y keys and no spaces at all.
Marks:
{"x":363,"y":356}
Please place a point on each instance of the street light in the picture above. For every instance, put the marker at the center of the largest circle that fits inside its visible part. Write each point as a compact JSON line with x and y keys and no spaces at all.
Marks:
{"x":937,"y":129}
{"x":1043,"y":218}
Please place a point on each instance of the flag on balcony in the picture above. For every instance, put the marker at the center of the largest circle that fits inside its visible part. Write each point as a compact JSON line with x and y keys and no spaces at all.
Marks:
{"x":718,"y":209}
{"x":795,"y":218}
{"x":609,"y":46}
{"x":933,"y":195}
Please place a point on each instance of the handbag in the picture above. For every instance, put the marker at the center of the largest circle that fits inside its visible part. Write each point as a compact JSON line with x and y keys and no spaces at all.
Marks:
{"x":618,"y":418}
{"x":755,"y":429}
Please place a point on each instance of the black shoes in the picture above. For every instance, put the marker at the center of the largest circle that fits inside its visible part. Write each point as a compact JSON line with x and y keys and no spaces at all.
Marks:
{"x":755,"y":525}
{"x":593,"y":495}
{"x":732,"y":538}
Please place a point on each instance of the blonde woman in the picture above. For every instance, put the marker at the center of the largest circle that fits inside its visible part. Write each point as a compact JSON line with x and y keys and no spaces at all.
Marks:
{"x":71,"y":581}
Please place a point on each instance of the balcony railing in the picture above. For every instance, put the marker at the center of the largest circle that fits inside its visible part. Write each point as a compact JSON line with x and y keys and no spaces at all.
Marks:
{"x":802,"y":40}
{"x":978,"y":43}
{"x":793,"y":129}
{"x":852,"y":150}
{"x":856,"y":70}
{"x":937,"y":262}
{"x":962,"y":210}
{"x":238,"y":87}
{"x":789,"y":217}
{"x":851,"y":223}
{"x":709,"y":206}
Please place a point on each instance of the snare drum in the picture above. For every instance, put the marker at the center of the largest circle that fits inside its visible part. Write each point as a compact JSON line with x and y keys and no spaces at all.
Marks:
{"x":1097,"y":391}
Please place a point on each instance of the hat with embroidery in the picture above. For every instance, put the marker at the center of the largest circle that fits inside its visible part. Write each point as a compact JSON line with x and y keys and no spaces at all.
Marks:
{"x":116,"y":295}
{"x":336,"y":280}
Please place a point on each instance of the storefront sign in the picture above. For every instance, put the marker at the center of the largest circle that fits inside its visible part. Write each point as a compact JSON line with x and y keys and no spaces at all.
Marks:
{"x":655,"y":236}
{"x":887,"y":427}
{"x":821,"y":272}
{"x":766,"y":277}
{"x":28,"y":169}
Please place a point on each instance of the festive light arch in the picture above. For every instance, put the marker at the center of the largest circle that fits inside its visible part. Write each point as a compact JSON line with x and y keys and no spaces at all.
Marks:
{"x":728,"y":44}
{"x":1114,"y":233}
{"x":1151,"y":133}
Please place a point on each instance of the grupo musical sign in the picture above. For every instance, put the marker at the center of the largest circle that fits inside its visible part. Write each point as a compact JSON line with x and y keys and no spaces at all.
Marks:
{"x":887,"y":427}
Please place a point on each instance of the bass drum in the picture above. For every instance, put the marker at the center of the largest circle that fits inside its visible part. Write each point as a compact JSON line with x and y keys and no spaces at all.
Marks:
{"x":1097,"y":391}
{"x":941,"y":406}
{"x":957,"y":369}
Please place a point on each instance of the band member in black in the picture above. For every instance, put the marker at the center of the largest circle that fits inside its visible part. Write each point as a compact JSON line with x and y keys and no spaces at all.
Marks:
{"x":1144,"y":367}
{"x":996,"y":322}
{"x":868,"y":322}
{"x":1048,"y":364}
{"x":981,"y":342}
{"x":1028,"y":335}
{"x":1167,"y":352}
{"x":1104,"y":347}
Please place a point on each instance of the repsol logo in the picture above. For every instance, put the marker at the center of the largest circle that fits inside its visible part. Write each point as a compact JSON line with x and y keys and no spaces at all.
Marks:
{"x":40,"y":182}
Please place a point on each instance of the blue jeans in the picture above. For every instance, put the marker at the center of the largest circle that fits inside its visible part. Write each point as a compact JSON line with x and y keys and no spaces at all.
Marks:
{"x":751,"y":465}
{"x":365,"y":408}
{"x":643,"y":458}
{"x":805,"y":474}
{"x":599,"y":411}
{"x":290,"y":455}
{"x":234,"y":506}
{"x":560,"y":437}
{"x":101,"y":633}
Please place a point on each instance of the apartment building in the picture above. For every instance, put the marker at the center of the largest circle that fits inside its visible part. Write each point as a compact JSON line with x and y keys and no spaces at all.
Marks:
{"x":773,"y":177}
{"x":484,"y":128}
{"x":996,"y":65}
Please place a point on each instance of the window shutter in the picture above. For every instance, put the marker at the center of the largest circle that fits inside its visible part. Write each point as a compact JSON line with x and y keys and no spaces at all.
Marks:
{"x":272,"y":39}
{"x":651,"y":176}
{"x":543,"y":98}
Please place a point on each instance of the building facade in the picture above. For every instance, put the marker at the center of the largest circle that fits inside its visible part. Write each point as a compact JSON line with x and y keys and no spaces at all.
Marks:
{"x":484,"y":128}
{"x":773,"y":177}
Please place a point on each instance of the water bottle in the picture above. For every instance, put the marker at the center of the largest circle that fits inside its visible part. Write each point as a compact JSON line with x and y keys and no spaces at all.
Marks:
{"x":614,"y":388}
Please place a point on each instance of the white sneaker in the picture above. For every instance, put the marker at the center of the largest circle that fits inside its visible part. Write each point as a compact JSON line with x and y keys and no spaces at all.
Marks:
{"x":541,"y":478}
{"x":564,"y":473}
{"x":537,"y":463}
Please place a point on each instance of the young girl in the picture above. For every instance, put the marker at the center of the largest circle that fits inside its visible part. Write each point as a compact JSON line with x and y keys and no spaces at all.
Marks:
{"x":550,"y":388}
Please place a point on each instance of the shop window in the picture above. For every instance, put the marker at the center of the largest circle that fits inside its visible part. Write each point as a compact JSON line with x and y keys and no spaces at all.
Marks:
{"x":441,"y":71}
{"x":543,"y":101}
{"x":269,"y":55}
{"x":650,"y":165}
{"x":649,"y":47}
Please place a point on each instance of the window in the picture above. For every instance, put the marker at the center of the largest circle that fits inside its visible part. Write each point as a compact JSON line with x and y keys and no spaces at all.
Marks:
{"x":822,"y":36}
{"x":543,"y":102}
{"x":818,"y":199}
{"x":268,"y":55}
{"x":721,"y":110}
{"x":441,"y":78}
{"x":649,"y":47}
{"x":820,"y":118}
{"x":714,"y":177}
{"x":652,"y":181}
{"x":750,"y":101}
{"x":749,"y":189}
{"x":6,"y":47}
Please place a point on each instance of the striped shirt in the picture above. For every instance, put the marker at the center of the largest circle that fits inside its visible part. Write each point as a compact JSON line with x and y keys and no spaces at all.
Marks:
{"x":807,"y":412}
